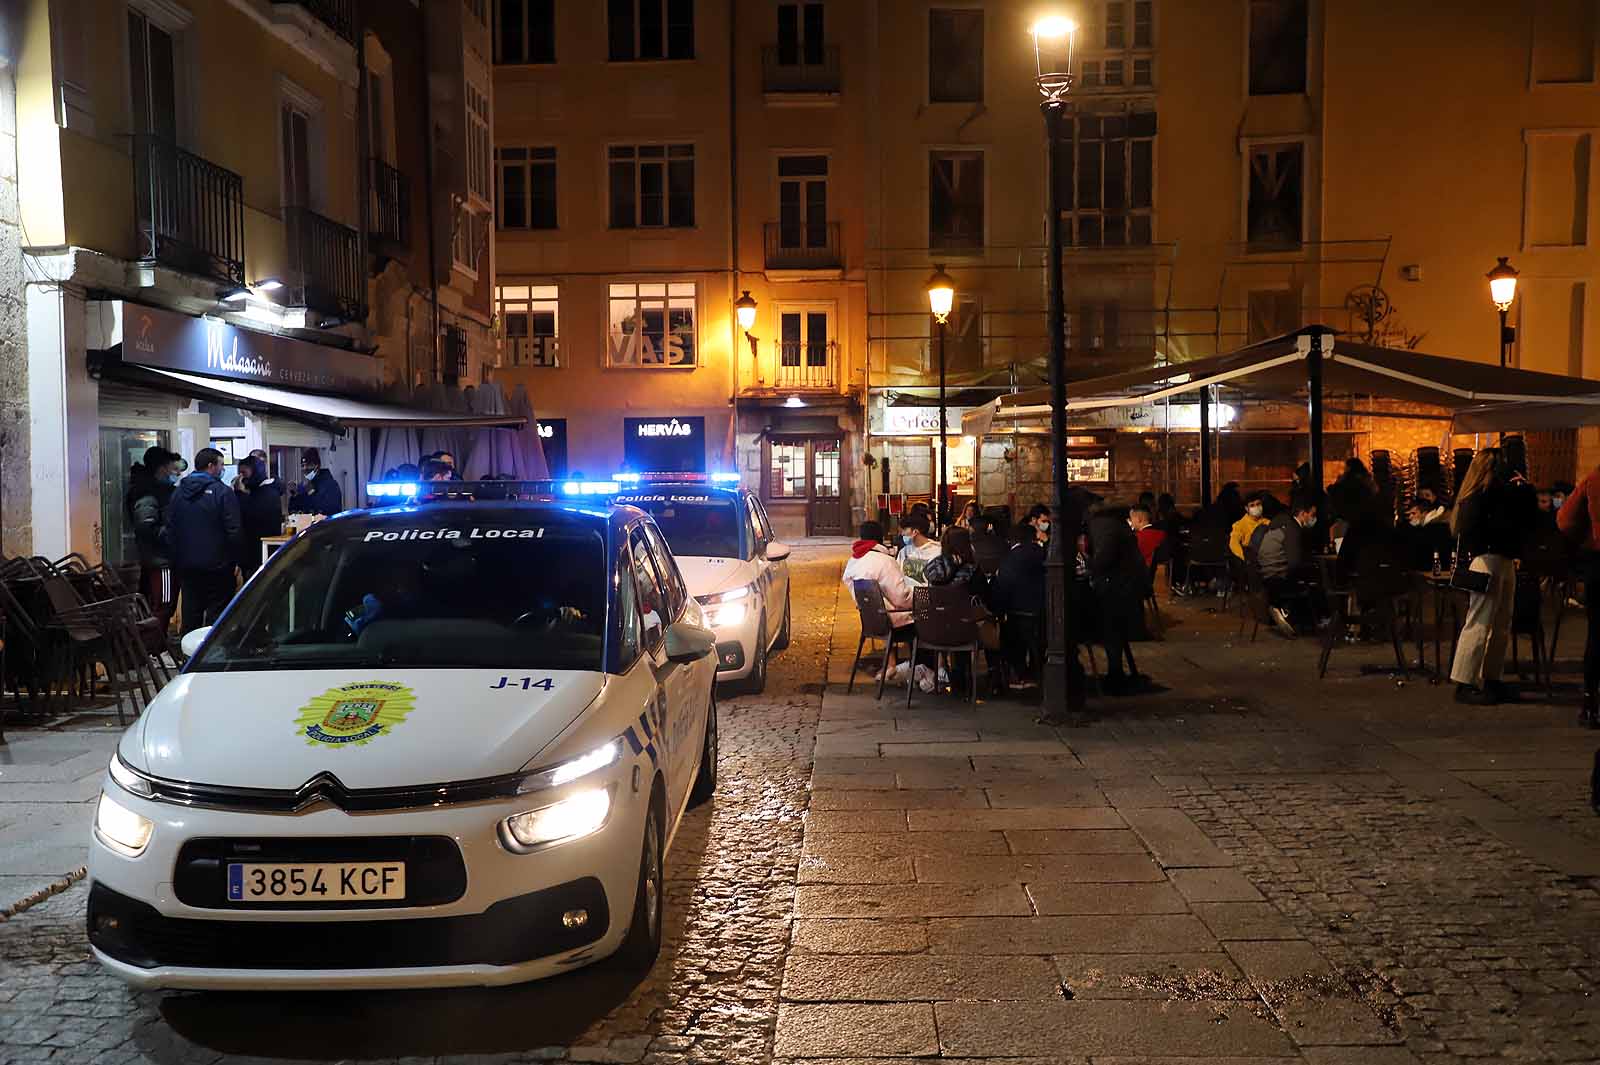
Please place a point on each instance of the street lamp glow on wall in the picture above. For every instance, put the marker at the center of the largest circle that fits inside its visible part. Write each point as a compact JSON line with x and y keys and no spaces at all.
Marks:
{"x":941,"y":293}
{"x":1053,"y":40}
{"x":1503,"y":284}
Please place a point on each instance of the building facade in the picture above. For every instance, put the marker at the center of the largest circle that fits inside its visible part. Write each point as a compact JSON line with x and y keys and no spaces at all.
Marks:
{"x":230,"y":211}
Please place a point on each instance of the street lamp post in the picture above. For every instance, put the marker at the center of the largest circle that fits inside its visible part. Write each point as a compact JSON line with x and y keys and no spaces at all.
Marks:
{"x":1503,"y":290}
{"x":1053,"y":39}
{"x":941,"y":298}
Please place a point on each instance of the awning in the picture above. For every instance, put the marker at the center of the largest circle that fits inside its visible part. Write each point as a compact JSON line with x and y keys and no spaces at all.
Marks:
{"x":334,"y":413}
{"x":1277,"y":368}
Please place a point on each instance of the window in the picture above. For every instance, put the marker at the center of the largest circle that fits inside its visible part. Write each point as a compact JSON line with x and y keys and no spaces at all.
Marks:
{"x":454,"y":349}
{"x":1089,"y":74}
{"x":800,"y":34}
{"x":524,"y":31}
{"x":652,"y":186}
{"x":651,"y":29}
{"x":955,"y":55}
{"x":1563,"y":42}
{"x":803,"y":201}
{"x":295,"y":147}
{"x":803,"y":338}
{"x":955,"y":200}
{"x":480,"y":176}
{"x":525,"y":194}
{"x":1276,"y":201}
{"x":468,"y":238}
{"x":1116,"y":24}
{"x":1273,"y":312}
{"x":1550,"y":325}
{"x":671,"y":580}
{"x":1107,"y":174}
{"x":530,"y":325}
{"x":380,"y":114}
{"x":652,"y":325}
{"x":653,"y":604}
{"x":1095,"y":326}
{"x":153,"y":65}
{"x":1556,"y":214}
{"x":1143,"y":71}
{"x":1113,"y":73}
{"x":788,"y":474}
{"x":1143,"y":24}
{"x":1279,"y":33}
{"x":963,"y":336}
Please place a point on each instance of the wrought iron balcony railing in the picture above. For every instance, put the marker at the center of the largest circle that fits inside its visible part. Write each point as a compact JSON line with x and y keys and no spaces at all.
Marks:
{"x":803,"y":246}
{"x":189,"y":211}
{"x":325,"y":265}
{"x":795,"y":69}
{"x":338,"y":15}
{"x":807,"y":366}
{"x":389,"y":216}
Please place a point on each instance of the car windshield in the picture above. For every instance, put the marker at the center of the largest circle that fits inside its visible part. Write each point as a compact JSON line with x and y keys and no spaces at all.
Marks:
{"x":447,"y":589}
{"x":695,"y":524}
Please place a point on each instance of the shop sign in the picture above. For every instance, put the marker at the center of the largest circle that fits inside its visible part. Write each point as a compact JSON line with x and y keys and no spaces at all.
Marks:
{"x":1153,"y":416}
{"x":916,"y":421}
{"x":211,"y":347}
{"x":664,"y":445}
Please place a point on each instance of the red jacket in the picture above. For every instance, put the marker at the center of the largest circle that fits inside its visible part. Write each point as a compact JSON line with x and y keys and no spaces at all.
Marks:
{"x":1579,"y":516}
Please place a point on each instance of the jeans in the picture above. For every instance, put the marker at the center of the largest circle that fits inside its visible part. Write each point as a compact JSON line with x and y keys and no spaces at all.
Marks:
{"x":205,"y":595}
{"x":1481,"y":651}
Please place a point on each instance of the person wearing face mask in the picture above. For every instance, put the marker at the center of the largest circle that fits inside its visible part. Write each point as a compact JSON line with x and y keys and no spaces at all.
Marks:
{"x":318,"y":492}
{"x":1281,"y":555}
{"x":150,"y":487}
{"x":917,"y":550}
{"x":1245,"y":527}
{"x":260,"y":512}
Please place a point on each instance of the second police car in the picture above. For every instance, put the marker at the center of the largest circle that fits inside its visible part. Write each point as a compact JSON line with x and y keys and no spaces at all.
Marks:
{"x":733,"y":563}
{"x":438,"y":744}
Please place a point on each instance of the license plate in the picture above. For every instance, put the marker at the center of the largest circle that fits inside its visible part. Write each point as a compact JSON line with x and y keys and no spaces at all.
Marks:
{"x":316,"y":882}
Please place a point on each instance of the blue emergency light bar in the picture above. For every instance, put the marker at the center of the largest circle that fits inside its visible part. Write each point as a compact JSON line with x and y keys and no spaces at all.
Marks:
{"x":590,"y":488}
{"x":724,"y":478}
{"x":397,"y":490}
{"x":675,"y":478}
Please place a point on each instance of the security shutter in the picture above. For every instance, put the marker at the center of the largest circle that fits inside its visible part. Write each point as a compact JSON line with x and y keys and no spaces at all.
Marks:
{"x":126,"y":407}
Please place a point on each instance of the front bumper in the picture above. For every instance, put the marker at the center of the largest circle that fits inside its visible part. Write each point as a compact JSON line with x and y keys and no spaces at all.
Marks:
{"x":736,"y":646}
{"x":154,"y":922}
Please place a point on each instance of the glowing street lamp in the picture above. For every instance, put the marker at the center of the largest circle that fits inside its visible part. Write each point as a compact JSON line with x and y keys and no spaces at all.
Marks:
{"x":1503,"y":291}
{"x":941,"y":298}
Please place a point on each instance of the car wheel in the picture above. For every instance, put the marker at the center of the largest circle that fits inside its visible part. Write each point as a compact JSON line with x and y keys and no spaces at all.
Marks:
{"x":639,"y":950}
{"x":783,"y":633}
{"x":756,"y":682}
{"x":706,"y":781}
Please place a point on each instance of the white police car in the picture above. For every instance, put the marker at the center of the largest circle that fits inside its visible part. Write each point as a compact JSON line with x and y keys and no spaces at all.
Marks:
{"x":443,"y":744}
{"x":733,"y":564}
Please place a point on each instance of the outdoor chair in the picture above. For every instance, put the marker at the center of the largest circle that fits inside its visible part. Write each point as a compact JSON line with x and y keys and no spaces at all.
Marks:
{"x":947,"y":624}
{"x":1208,"y":553}
{"x":1256,"y":605}
{"x":1546,"y":567}
{"x":1381,"y":581}
{"x":875,"y":625}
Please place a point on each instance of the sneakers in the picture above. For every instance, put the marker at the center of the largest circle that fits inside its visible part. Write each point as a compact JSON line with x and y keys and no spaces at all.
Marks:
{"x":944,"y":677}
{"x":1281,"y":622}
{"x":1503,"y":692}
{"x":924,"y":677}
{"x":901,"y":669}
{"x":1474,"y":696}
{"x":1589,"y":715}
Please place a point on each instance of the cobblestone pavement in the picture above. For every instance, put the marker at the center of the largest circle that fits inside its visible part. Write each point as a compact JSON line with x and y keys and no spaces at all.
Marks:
{"x":712,"y":996}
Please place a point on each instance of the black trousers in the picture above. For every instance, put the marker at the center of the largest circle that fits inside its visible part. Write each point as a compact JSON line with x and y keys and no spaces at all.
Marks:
{"x":1119,"y":611}
{"x":206,"y":593}
{"x":1591,"y":647}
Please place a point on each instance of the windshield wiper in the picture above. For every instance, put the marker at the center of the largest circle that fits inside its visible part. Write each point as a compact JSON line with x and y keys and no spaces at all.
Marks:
{"x":334,"y":661}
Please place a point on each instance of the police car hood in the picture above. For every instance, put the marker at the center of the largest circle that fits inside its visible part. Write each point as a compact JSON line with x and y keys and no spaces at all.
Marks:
{"x":369,"y":728}
{"x":708,"y":576}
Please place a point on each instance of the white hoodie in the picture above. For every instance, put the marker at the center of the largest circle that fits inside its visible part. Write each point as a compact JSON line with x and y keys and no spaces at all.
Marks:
{"x":879,"y":566}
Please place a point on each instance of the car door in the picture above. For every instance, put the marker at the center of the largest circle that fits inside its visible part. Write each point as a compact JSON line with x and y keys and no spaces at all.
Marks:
{"x":663,"y":600}
{"x":759,"y":537}
{"x":777,"y":573}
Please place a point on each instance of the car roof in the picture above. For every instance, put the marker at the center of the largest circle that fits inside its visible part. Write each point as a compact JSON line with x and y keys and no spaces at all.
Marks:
{"x":731,"y":492}
{"x":598,"y":512}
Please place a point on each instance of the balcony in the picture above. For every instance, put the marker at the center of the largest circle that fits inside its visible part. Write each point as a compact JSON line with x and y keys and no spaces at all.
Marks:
{"x":808,"y":247}
{"x":785,"y":71}
{"x":338,"y":15}
{"x":813,"y":367}
{"x":190,"y":211}
{"x":327,"y":274}
{"x":389,"y":214}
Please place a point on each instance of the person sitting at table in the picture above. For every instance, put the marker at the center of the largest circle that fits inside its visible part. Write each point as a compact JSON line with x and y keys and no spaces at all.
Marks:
{"x":919,"y":550}
{"x":1150,"y":537}
{"x":1245,"y":527}
{"x":871,"y":561}
{"x":1286,"y":571}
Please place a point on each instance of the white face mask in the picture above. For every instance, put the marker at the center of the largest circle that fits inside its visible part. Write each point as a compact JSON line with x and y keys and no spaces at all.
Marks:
{"x":1043,"y":527}
{"x":1417,"y":520}
{"x":1253,"y":511}
{"x":1557,"y":500}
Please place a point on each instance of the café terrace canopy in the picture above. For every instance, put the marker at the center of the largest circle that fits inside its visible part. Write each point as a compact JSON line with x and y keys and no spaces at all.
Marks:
{"x":1481,"y":397}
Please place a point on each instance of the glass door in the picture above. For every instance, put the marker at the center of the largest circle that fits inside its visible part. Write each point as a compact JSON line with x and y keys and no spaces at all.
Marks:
{"x":827,"y":495}
{"x":119,"y":450}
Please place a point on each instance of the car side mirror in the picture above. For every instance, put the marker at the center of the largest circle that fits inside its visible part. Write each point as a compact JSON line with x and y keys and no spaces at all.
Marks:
{"x":777,"y":552}
{"x":192,"y":640}
{"x":689,"y":643}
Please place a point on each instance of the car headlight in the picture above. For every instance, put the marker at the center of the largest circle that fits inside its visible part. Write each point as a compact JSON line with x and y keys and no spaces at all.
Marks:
{"x":726,"y":608}
{"x":128,"y":778}
{"x":574,"y":817}
{"x":572,"y":769}
{"x":121,"y":828}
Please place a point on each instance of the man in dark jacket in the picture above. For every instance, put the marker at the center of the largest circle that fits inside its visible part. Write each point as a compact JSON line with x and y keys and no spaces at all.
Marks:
{"x":260,"y":512}
{"x":150,"y":488}
{"x":1118,"y":576}
{"x":1290,"y":581}
{"x":203,"y":526}
{"x":318,"y":492}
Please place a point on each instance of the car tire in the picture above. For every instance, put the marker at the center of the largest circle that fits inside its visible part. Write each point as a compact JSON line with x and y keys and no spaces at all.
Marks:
{"x":783,"y":634}
{"x":643,"y":944}
{"x":756,"y":682}
{"x":705,"y":782}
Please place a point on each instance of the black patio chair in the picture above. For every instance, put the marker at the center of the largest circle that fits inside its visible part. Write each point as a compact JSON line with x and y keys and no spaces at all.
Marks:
{"x":1381,"y":582}
{"x":875,"y":625}
{"x":1208,"y":553}
{"x":947,"y":624}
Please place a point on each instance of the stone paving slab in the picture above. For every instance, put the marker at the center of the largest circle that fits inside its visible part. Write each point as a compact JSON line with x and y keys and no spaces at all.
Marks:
{"x":860,"y":936}
{"x":1245,"y":920}
{"x":899,"y":800}
{"x":918,"y":978}
{"x":1214,"y":885}
{"x":1015,"y":818}
{"x":910,"y":900}
{"x":855,"y":869}
{"x":842,"y":821}
{"x":905,"y":844}
{"x":838,"y":1029}
{"x":1074,"y":841}
{"x":1157,"y":977}
{"x":1175,"y":840}
{"x":995,"y":747}
{"x":1039,"y":868}
{"x":1109,"y":934}
{"x":1057,"y":899}
{"x":1072,"y":791}
{"x":1275,"y":960}
{"x":1105,"y":1027}
{"x":1369,"y":1055}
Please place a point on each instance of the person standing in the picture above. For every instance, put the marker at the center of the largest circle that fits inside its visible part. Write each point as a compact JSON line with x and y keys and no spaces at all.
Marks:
{"x":319,"y":491}
{"x":1119,"y":580}
{"x":260,"y":512}
{"x":150,"y":488}
{"x":1579,"y":519}
{"x":1488,"y":524}
{"x":203,"y":528}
